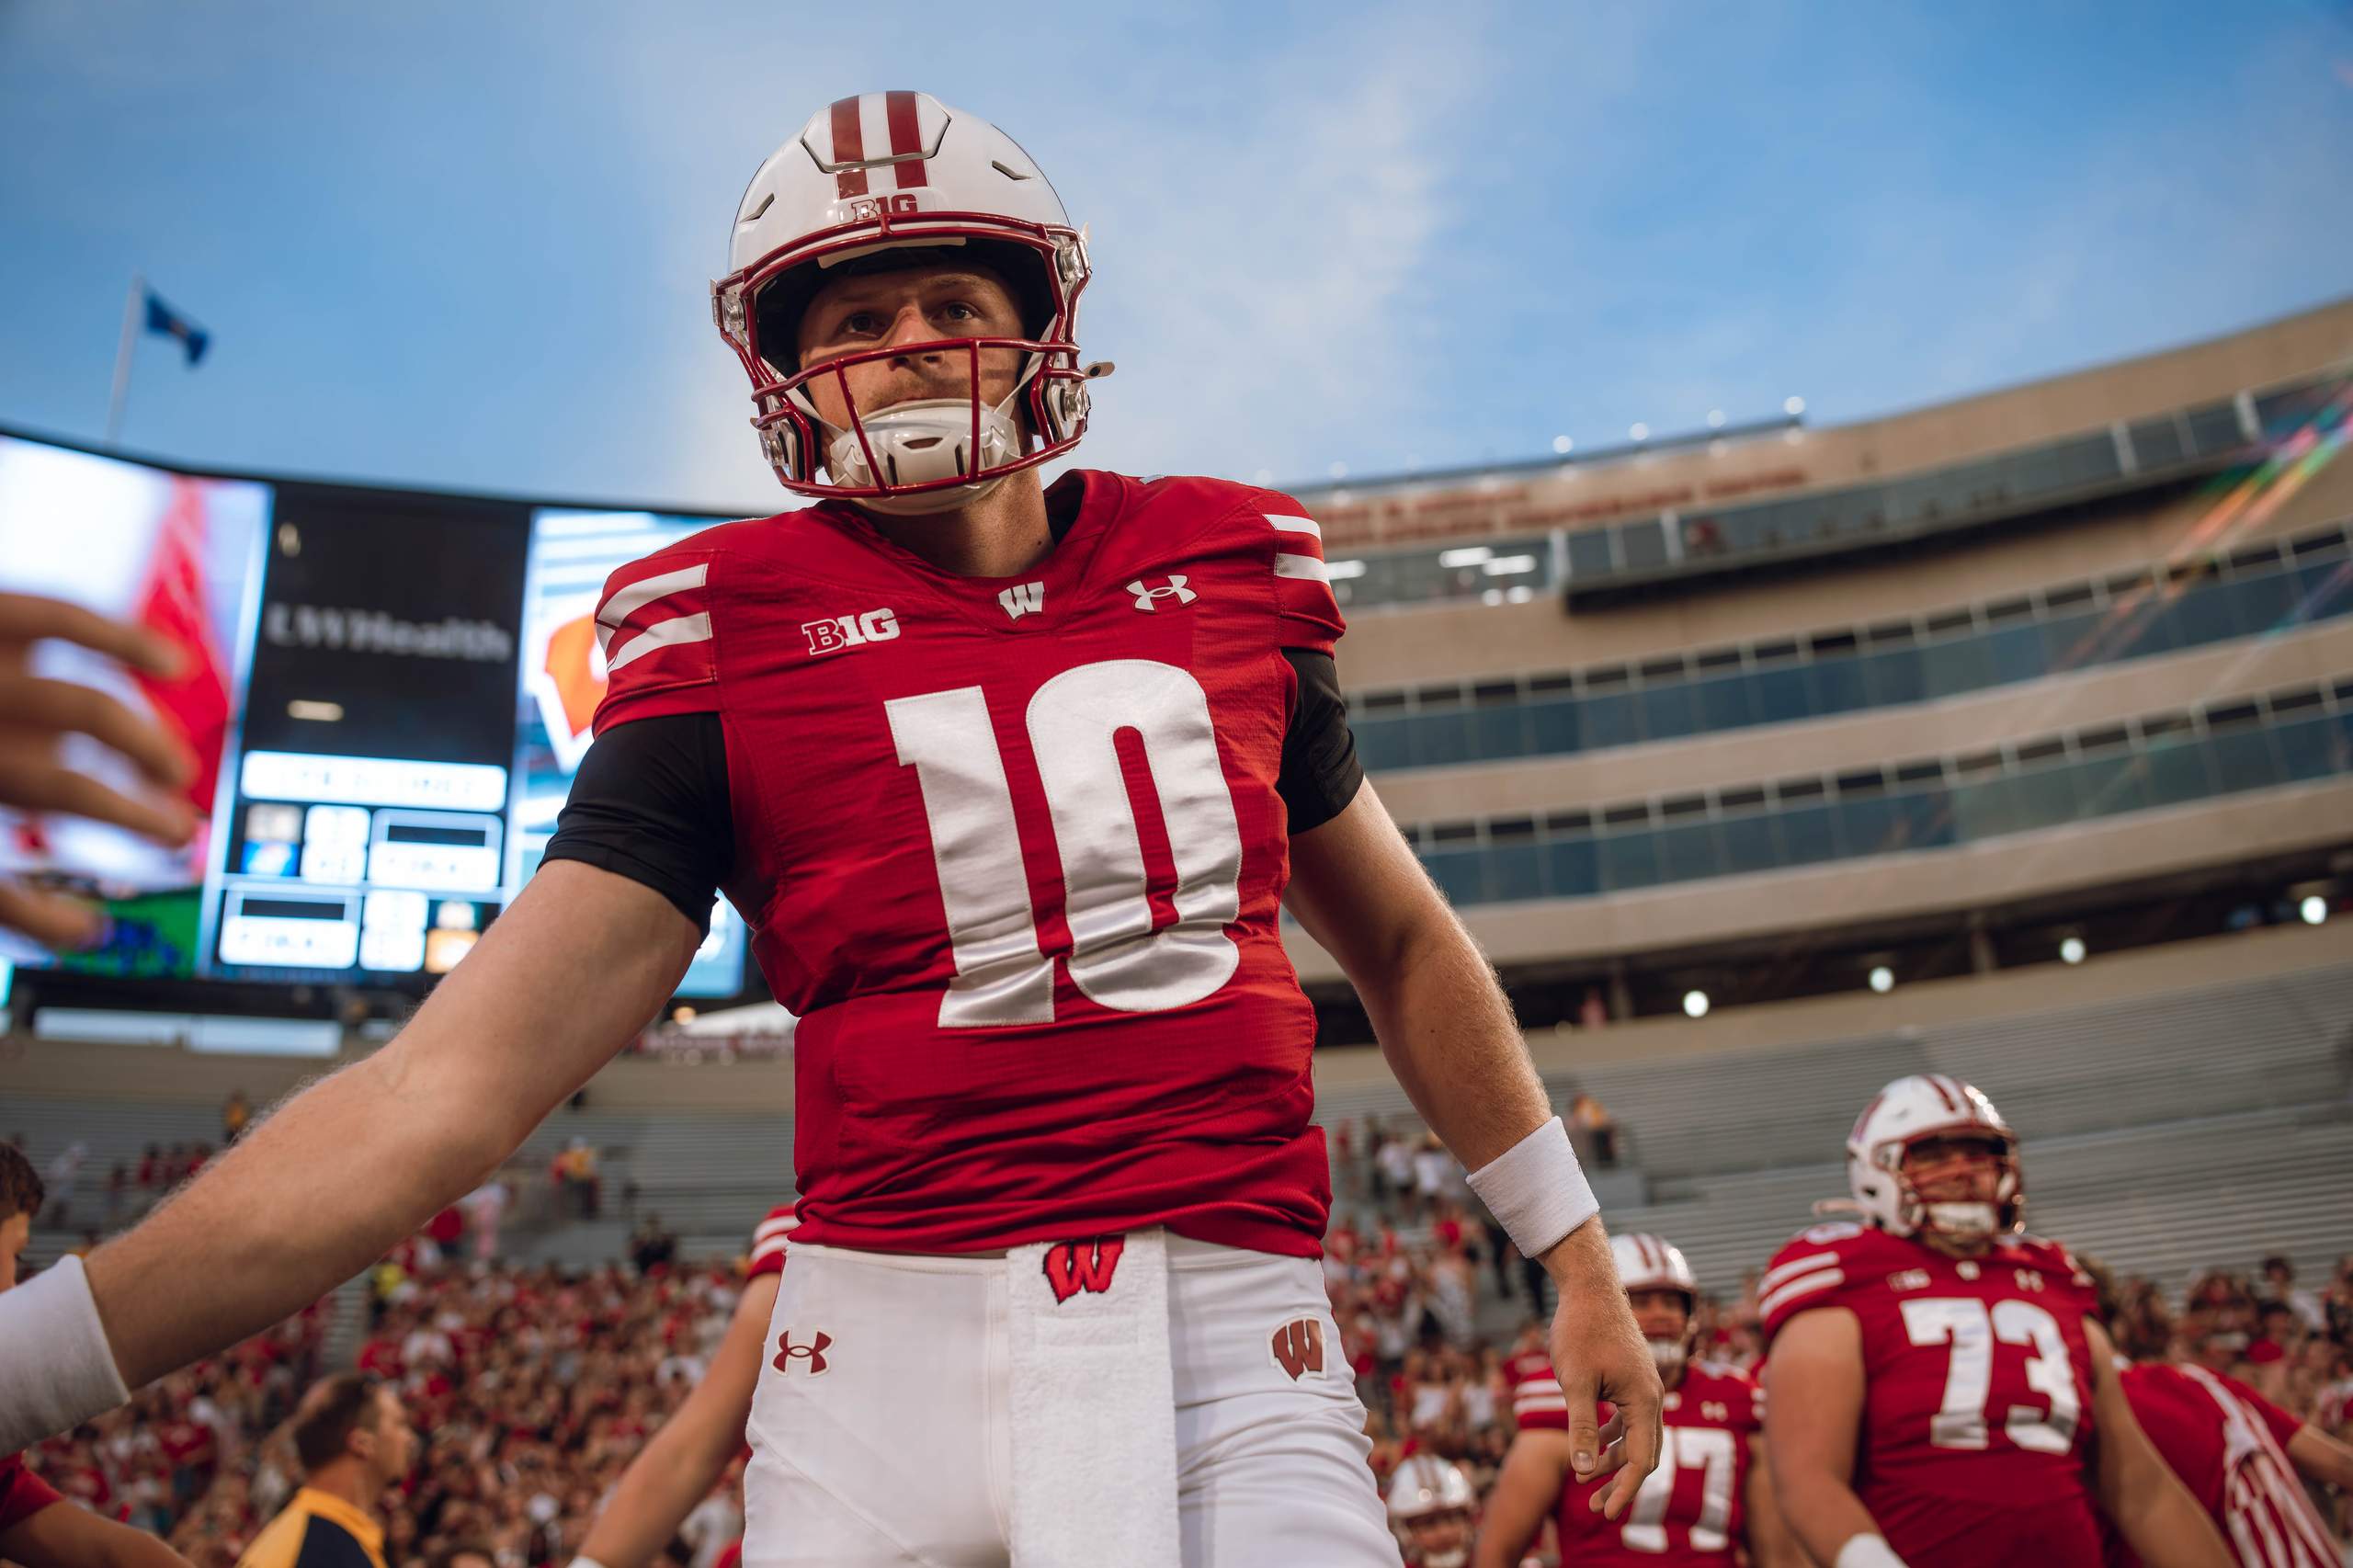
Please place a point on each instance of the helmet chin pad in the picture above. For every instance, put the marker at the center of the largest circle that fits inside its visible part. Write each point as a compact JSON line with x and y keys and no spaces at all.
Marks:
{"x":1965,"y":1221}
{"x":921,"y":442}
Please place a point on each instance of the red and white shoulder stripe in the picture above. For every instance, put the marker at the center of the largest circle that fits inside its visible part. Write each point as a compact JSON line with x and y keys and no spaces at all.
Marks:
{"x":1799,"y":1281}
{"x":1536,"y":1396}
{"x":769,"y":1240}
{"x":1303,"y":594}
{"x":654,"y":628}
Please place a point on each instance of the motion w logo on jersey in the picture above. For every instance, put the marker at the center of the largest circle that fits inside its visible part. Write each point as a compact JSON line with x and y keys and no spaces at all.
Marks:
{"x":1072,"y":1267}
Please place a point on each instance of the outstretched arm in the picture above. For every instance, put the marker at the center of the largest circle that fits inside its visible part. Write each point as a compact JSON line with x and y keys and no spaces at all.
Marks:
{"x":676,"y":1469}
{"x":63,"y":1536}
{"x":352,"y":1164}
{"x":1447,"y":1033}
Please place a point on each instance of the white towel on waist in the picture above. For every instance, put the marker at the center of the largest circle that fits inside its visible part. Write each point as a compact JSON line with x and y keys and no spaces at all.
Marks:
{"x":1094,"y":1405}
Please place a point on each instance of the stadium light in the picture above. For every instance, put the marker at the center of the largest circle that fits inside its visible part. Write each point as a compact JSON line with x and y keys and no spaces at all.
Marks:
{"x":1793,"y":406}
{"x":2315,"y":909}
{"x":1695,"y":1003}
{"x":1883,"y":979}
{"x":2071,"y":950}
{"x":682,"y":1014}
{"x":1715,"y":419}
{"x":1469,"y":555}
{"x":1339,"y":470}
{"x":1564,"y":445}
{"x":1639,"y":431}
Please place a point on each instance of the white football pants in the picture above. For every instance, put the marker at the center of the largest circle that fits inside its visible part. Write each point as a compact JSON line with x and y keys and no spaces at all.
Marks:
{"x":882,"y":1427}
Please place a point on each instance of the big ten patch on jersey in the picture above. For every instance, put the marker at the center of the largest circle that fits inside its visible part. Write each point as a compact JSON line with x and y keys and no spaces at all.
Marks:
{"x":1691,"y":1508}
{"x":1019,"y":874}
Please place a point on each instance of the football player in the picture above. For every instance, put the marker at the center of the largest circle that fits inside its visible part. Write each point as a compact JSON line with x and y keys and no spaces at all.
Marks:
{"x":1432,"y":1510}
{"x":37,"y":1528}
{"x":1941,"y":1391}
{"x":1709,"y":1497}
{"x":686,"y":1457}
{"x":1012,"y":785}
{"x":2239,"y":1454}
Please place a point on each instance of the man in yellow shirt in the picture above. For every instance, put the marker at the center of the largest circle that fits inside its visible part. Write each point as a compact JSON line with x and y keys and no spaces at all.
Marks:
{"x":353,"y":1440}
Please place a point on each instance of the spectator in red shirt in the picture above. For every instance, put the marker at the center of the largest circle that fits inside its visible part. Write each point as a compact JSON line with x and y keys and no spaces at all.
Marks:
{"x":35,"y":1530}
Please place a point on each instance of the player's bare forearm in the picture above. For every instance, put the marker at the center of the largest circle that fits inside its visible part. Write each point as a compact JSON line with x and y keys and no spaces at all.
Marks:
{"x":676,"y":1469}
{"x":1442,"y":1020}
{"x":1770,"y":1544}
{"x":2138,"y":1490}
{"x":349,"y":1165}
{"x":65,"y":1536}
{"x":1810,"y":1439}
{"x":1534,"y":1470}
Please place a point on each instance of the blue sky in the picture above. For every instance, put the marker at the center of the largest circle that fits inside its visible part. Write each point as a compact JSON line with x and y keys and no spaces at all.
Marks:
{"x":469,"y":246}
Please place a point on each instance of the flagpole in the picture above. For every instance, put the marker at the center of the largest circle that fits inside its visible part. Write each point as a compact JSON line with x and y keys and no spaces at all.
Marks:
{"x":122,"y":358}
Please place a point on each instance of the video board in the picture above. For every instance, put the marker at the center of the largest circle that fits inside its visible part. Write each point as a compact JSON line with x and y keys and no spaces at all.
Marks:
{"x":388,"y":693}
{"x":177,"y":555}
{"x":366,"y":826}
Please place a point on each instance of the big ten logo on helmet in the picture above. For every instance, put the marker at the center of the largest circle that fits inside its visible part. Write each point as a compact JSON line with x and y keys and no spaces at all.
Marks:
{"x":867,"y":208}
{"x":850,"y":631}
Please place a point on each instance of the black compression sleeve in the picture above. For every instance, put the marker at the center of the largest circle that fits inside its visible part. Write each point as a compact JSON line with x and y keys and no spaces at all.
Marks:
{"x":650,"y":804}
{"x":1320,"y":773}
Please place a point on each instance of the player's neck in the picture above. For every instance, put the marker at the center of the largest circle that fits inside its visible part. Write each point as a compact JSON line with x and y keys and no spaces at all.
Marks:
{"x":348,"y":1481}
{"x":1003,"y":534}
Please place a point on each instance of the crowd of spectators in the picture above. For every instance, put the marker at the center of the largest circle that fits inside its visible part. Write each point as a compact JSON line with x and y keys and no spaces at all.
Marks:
{"x":532,"y":1389}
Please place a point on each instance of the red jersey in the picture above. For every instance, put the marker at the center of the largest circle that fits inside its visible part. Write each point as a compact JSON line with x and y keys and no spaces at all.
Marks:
{"x":1012,"y":849}
{"x":2227,"y":1443}
{"x":1978,"y":1397}
{"x":767,"y":1241}
{"x":22,"y":1493}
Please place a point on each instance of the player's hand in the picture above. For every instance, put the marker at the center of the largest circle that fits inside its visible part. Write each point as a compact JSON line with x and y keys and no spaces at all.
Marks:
{"x":36,"y":713}
{"x":1599,"y":1354}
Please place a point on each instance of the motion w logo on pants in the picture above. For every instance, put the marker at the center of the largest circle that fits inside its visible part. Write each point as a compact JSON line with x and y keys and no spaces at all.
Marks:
{"x":1299,"y":1347}
{"x":1072,"y":1267}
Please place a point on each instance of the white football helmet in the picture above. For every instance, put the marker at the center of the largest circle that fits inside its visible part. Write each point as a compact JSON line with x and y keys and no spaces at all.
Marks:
{"x":1922,"y":1106}
{"x":903,"y":171}
{"x":1652,"y":1262}
{"x":1424,"y":1487}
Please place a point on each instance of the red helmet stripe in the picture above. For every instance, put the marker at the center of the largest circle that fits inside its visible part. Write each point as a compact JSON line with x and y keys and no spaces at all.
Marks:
{"x":1942,"y":1093}
{"x":849,"y":147}
{"x":906,"y":137}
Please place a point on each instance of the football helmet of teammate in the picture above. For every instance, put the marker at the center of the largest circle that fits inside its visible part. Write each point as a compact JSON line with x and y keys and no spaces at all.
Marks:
{"x":1431,"y":1507}
{"x":1666,"y":1297}
{"x":1931,"y":1157}
{"x":876,"y":183}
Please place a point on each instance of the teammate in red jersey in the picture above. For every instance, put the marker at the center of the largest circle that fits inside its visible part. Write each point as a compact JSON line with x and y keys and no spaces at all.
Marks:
{"x":35,"y":1530}
{"x":2240,"y":1455}
{"x":1012,"y":784}
{"x":1433,"y":1510}
{"x":1942,"y":1392}
{"x":1709,"y":1501}
{"x":686,"y":1457}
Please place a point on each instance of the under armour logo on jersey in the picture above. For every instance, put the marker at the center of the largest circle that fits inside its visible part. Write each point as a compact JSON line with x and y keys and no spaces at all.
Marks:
{"x":1072,"y":1267}
{"x":813,"y":1352}
{"x":1299,"y":1347}
{"x":1173,"y":589}
{"x":1022,"y":598}
{"x":849,"y":630}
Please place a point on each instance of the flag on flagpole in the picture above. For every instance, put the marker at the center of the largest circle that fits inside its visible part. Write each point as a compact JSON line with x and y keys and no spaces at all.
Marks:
{"x":168,"y":322}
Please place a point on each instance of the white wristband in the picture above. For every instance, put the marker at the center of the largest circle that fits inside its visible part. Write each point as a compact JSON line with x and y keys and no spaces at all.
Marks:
{"x":56,"y":1368}
{"x":586,"y":1563}
{"x":1536,"y":1189}
{"x":1867,"y":1551}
